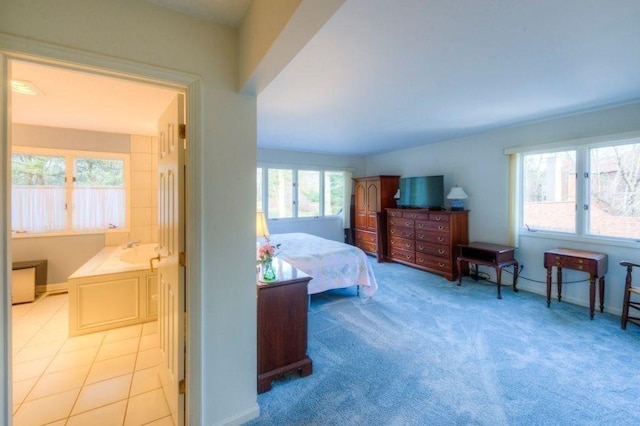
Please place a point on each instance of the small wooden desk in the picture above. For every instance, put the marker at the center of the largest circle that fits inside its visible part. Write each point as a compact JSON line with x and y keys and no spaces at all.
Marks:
{"x":593,"y":263}
{"x":495,"y":255}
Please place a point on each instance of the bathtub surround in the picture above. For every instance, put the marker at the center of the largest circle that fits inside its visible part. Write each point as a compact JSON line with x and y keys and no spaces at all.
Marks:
{"x":116,"y":288}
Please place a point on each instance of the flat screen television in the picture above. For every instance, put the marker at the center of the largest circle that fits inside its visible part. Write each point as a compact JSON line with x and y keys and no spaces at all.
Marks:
{"x":422,"y":192}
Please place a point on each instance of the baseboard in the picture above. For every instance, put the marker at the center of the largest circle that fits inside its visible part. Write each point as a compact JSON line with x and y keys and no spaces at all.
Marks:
{"x":52,"y":288}
{"x":241,"y":418}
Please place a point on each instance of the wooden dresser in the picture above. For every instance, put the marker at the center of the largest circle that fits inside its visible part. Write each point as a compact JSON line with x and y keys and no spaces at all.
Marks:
{"x":282,"y":325}
{"x":373,"y":195}
{"x":427,"y":239}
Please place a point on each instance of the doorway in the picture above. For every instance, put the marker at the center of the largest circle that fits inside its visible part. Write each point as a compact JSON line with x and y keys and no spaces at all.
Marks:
{"x":112,"y":80}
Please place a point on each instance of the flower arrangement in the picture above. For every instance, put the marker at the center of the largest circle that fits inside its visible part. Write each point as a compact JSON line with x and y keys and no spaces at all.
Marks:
{"x":266,"y":252}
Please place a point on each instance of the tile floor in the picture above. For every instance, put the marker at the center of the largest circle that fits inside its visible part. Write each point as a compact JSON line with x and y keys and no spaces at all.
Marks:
{"x":104,"y":378}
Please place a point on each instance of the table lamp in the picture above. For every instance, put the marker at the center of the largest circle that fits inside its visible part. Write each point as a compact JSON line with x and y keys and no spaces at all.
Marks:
{"x":457,"y":195}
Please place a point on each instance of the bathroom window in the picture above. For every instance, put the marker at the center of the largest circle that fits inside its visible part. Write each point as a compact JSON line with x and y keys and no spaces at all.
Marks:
{"x":60,"y":191}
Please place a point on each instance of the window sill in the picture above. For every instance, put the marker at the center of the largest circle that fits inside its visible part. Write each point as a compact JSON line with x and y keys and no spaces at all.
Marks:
{"x":606,"y":241}
{"x":66,"y":233}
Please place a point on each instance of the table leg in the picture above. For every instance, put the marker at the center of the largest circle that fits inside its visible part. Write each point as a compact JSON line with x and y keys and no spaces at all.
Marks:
{"x":592,"y":294}
{"x":549,"y":268}
{"x":516,"y":270}
{"x":559,"y":283}
{"x":459,"y":262}
{"x":601,"y":294}
{"x":499,"y":279}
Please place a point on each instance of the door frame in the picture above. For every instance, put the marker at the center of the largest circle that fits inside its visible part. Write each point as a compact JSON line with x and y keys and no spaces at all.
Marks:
{"x":18,"y":48}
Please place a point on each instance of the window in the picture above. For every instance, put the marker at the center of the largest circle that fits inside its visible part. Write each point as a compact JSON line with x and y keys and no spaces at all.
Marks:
{"x":293,"y":193}
{"x":58,"y":191}
{"x":590,"y":190}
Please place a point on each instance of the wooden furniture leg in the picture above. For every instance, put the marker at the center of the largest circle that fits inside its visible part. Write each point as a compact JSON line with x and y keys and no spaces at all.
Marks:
{"x":592,"y":294}
{"x":559,"y":283}
{"x":499,"y":279}
{"x":602,"y":294}
{"x":516,"y":271}
{"x":549,"y":268}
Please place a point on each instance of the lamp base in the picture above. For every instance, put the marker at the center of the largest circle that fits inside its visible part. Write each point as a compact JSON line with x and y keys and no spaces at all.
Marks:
{"x":457,"y":205}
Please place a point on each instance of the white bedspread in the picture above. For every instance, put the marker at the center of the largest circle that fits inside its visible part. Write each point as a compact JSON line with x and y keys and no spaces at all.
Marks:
{"x":331,"y":264}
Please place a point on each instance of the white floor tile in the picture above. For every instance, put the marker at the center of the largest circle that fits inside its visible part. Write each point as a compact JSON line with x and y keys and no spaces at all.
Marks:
{"x":123,"y":333}
{"x":67,"y":360}
{"x":45,"y":410}
{"x":103,"y":393}
{"x":149,"y":341}
{"x":22,"y":388}
{"x":118,"y":348}
{"x":145,"y":408}
{"x":147,"y":359}
{"x":145,"y":381}
{"x":82,"y":342}
{"x":61,"y":381}
{"x":29,"y":369}
{"x":110,"y":368}
{"x":165,"y":421}
{"x":109,"y":415}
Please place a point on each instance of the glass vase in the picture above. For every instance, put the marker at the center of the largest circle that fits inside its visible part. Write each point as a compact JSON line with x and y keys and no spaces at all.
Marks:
{"x":267,"y":271}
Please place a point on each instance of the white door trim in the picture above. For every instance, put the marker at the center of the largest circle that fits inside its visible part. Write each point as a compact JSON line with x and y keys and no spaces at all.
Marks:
{"x":12,"y":47}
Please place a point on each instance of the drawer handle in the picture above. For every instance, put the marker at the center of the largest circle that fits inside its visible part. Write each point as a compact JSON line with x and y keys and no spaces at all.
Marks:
{"x":440,"y":264}
{"x":438,"y":218}
{"x":413,"y":216}
{"x":440,"y":227}
{"x":393,"y":232}
{"x":408,"y":257}
{"x":421,"y":259}
{"x":441,"y":251}
{"x":407,"y":245}
{"x":407,"y":223}
{"x":420,"y":247}
{"x":421,"y":237}
{"x":420,"y":225}
{"x":441,"y":239}
{"x":407,"y":234}
{"x":579,"y":266}
{"x":580,"y":260}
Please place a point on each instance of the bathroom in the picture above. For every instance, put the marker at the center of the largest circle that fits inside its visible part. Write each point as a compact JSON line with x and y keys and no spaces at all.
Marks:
{"x":41,"y":350}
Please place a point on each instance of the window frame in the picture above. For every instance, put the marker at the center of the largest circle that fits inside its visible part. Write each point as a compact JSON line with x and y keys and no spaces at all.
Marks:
{"x":295,"y":169}
{"x":70,"y":156}
{"x":582,"y":148}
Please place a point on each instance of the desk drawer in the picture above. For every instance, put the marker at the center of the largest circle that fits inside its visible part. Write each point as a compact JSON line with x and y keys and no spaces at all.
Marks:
{"x":572,"y":262}
{"x":415,"y":215}
{"x":365,"y":237}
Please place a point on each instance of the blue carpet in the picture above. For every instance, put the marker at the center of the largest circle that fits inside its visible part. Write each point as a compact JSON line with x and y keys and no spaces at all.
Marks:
{"x":425,"y":351}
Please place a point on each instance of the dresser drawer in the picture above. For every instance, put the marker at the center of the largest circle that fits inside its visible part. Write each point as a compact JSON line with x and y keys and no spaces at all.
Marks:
{"x":401,"y":243}
{"x":432,"y":225}
{"x":432,"y":237}
{"x":439,"y":217}
{"x":397,"y":231}
{"x":408,"y":214}
{"x":433,"y":249}
{"x":368,"y":247}
{"x":398,"y":221}
{"x":403,"y":255}
{"x":365,"y":237}
{"x":394,"y":213}
{"x":432,"y":262}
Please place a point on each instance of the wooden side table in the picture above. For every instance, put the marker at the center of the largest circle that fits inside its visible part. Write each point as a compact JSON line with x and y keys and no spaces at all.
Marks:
{"x":282,"y":325}
{"x":593,"y":263}
{"x":494,"y":255}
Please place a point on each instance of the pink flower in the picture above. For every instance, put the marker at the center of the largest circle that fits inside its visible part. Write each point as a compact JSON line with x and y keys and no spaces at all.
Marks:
{"x":267,"y":251}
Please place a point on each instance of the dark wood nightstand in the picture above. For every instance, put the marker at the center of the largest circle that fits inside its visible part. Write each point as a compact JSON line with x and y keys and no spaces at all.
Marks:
{"x":282,"y":325}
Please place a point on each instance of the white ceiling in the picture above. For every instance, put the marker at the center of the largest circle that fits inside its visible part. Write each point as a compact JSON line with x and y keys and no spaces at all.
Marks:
{"x":382,"y":75}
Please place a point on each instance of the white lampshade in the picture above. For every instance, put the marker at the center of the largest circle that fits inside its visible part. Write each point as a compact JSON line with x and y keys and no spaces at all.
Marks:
{"x":457,"y":193}
{"x":397,"y":194}
{"x":262,"y":230}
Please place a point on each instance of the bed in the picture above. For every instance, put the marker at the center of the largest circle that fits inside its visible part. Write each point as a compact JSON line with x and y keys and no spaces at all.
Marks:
{"x":331,"y":264}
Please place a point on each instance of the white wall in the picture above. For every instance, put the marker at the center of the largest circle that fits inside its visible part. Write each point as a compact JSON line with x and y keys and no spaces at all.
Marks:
{"x":223,"y":386}
{"x":477,"y":163}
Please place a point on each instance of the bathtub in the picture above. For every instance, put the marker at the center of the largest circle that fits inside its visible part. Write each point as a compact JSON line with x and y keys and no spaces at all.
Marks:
{"x":115,"y":288}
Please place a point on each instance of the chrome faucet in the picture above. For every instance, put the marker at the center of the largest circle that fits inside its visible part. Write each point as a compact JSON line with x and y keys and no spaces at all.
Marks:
{"x":132,"y":243}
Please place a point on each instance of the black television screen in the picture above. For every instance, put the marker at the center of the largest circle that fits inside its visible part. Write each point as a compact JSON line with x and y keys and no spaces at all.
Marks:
{"x":422,"y":192}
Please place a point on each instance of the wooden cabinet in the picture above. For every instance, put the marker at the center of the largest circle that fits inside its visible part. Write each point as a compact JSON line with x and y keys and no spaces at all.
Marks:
{"x":373,"y":195}
{"x":427,"y":239}
{"x":282,"y":325}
